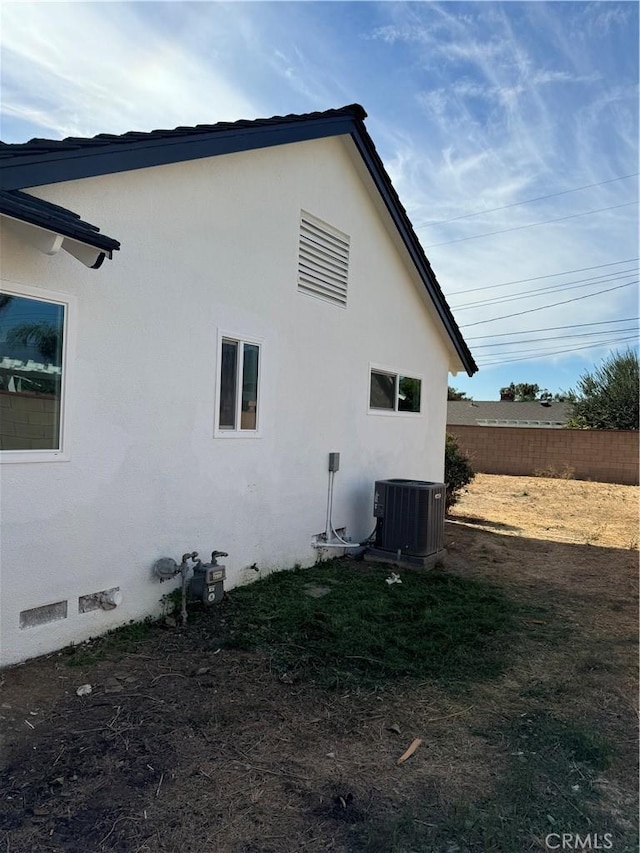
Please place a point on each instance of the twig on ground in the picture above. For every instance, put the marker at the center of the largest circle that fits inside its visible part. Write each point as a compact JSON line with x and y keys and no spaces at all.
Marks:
{"x":166,"y":675}
{"x":159,"y":784}
{"x":571,"y":803}
{"x":115,"y":823}
{"x":448,"y":716}
{"x":272,"y":772}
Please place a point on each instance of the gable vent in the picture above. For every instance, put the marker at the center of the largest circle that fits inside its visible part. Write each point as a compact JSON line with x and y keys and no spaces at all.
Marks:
{"x":323,"y":260}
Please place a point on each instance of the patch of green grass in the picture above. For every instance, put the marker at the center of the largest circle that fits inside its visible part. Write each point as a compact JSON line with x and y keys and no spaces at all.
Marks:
{"x":430,"y":626}
{"x":112,"y":645}
{"x":546,"y":787}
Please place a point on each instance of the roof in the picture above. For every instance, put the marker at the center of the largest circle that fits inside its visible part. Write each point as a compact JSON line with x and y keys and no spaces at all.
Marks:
{"x":506,"y":413}
{"x":36,"y":211}
{"x":46,"y":161}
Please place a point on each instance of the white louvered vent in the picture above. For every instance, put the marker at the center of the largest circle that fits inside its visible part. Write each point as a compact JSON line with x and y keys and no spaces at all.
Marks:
{"x":323,"y":260}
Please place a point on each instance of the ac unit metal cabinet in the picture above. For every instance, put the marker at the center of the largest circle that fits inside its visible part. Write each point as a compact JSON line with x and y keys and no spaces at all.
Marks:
{"x":410,"y":516}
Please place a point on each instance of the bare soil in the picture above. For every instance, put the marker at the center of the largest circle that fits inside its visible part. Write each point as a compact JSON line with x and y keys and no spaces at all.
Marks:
{"x":186,"y":746}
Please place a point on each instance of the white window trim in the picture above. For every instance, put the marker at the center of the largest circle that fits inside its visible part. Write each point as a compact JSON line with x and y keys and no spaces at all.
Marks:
{"x":395,"y":413}
{"x":62,"y":454}
{"x":238,"y":433}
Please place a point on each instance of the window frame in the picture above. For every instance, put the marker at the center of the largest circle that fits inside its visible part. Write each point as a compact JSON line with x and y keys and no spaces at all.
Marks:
{"x":69,"y":303}
{"x":397,"y":374}
{"x":241,"y":340}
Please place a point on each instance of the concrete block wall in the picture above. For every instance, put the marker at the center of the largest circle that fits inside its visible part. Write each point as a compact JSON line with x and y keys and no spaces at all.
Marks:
{"x":27,"y":421}
{"x":607,"y":456}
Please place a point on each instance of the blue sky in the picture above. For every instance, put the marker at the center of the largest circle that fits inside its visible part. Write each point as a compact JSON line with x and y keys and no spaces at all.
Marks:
{"x":474,"y":107}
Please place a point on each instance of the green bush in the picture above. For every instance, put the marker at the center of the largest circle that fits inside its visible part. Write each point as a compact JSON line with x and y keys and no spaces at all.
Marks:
{"x":458,"y":473}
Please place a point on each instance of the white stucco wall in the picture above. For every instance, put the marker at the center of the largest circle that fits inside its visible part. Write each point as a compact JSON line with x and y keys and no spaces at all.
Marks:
{"x":211,"y":245}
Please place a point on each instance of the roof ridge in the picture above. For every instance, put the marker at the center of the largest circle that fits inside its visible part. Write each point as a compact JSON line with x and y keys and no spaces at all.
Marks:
{"x":70,"y":142}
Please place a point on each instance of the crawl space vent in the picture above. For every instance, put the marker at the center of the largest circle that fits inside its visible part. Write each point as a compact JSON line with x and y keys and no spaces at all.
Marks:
{"x":42,"y":615}
{"x":323,"y":260}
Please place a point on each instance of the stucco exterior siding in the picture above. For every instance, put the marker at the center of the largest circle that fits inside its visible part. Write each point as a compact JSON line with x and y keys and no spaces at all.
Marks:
{"x":210,"y":247}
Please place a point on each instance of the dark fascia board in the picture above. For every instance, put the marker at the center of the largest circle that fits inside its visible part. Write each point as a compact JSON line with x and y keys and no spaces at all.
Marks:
{"x":120,"y":154}
{"x":50,"y":167}
{"x":374,"y":164}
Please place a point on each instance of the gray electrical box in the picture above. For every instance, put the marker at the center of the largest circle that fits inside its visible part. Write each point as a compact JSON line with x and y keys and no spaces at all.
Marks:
{"x":334,"y":462}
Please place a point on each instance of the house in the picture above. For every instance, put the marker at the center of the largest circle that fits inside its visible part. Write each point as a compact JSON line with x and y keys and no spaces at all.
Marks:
{"x":545,"y":415}
{"x":192,"y":320}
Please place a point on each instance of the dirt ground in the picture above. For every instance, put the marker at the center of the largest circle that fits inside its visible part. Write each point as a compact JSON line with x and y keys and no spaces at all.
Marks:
{"x":184,"y":746}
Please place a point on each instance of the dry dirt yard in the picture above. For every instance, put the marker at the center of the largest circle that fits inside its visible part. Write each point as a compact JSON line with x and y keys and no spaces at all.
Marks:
{"x":188,"y":746}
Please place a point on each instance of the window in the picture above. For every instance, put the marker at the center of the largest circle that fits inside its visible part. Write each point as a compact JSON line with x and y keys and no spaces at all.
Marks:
{"x":393,"y":392}
{"x":33,"y":344}
{"x":238,"y":387}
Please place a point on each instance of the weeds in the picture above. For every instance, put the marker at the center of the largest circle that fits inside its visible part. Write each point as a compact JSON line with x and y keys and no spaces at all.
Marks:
{"x":564,"y":473}
{"x":112,"y":645}
{"x":547,"y":786}
{"x":363,"y":630}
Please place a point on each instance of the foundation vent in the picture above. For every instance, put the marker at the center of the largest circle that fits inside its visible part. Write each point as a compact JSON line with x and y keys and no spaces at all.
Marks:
{"x":42,"y":615}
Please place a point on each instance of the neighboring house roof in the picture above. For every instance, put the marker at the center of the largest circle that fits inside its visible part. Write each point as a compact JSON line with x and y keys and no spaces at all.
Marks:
{"x":46,"y":161}
{"x":506,"y":413}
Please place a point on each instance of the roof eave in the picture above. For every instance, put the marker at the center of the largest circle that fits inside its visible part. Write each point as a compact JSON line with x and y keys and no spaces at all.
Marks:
{"x":72,"y":164}
{"x":50,"y":241}
{"x":374,"y":164}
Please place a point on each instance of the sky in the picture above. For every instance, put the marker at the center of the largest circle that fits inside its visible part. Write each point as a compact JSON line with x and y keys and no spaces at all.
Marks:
{"x":510,"y":131}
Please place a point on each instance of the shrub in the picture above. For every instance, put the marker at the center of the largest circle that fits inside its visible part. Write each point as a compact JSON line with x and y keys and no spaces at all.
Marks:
{"x":458,"y":473}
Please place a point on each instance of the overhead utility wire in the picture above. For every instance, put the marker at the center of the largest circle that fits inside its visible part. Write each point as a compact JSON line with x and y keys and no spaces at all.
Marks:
{"x":552,"y":328}
{"x":610,"y":343}
{"x":546,"y":355}
{"x":487,"y":358}
{"x":533,"y":224}
{"x":601,"y":277}
{"x":539,"y":277}
{"x":556,"y":338}
{"x":554,"y":288}
{"x":544,"y":307}
{"x":528,"y":201}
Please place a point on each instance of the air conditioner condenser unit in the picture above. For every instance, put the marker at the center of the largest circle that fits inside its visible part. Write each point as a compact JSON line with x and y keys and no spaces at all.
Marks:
{"x":410,"y":520}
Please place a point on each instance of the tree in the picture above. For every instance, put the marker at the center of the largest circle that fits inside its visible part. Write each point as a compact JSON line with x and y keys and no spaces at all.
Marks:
{"x":44,"y":336}
{"x":525,"y":391}
{"x":454,"y":394}
{"x":607,"y":397}
{"x":458,"y":473}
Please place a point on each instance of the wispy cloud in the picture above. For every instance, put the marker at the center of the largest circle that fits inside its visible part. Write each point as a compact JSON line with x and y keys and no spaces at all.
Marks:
{"x":138,"y":76}
{"x":473,"y":106}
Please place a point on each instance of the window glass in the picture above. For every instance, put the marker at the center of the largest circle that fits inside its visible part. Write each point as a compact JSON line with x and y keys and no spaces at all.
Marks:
{"x":31,"y":348}
{"x":249,"y":413}
{"x":228,"y":380}
{"x":409,"y":394}
{"x":383,"y":391}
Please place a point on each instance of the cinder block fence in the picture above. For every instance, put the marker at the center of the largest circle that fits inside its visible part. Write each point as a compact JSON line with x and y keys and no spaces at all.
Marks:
{"x":607,"y":456}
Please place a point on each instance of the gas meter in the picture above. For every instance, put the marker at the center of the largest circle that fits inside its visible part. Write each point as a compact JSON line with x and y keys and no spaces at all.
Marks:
{"x":207,"y":583}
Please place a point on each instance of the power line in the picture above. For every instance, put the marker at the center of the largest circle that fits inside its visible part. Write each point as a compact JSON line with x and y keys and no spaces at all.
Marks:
{"x":544,"y":307}
{"x":533,"y":224}
{"x":498,"y":356}
{"x":552,"y":328}
{"x":555,"y":288}
{"x":556,"y":338}
{"x":528,"y":201}
{"x":557,"y":352}
{"x":539,"y":277}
